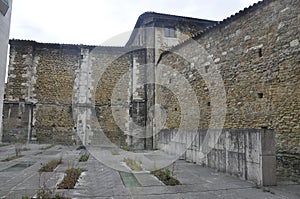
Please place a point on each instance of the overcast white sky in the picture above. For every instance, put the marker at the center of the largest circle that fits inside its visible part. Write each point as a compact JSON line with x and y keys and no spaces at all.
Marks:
{"x":95,"y":21}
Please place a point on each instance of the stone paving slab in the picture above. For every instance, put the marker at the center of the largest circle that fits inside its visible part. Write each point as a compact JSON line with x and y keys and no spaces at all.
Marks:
{"x":147,"y":180}
{"x":101,"y":181}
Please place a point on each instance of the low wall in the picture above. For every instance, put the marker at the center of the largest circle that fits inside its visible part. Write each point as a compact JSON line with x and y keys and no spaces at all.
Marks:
{"x":246,"y":153}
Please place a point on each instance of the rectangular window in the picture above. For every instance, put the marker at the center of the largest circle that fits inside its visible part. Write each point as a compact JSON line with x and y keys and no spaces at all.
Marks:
{"x":4,"y":7}
{"x":170,"y":32}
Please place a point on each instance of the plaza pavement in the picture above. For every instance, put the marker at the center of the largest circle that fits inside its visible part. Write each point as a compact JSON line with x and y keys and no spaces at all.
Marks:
{"x":101,"y":181}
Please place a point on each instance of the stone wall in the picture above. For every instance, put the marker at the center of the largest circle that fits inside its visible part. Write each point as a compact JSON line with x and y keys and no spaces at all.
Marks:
{"x":66,"y":86}
{"x":256,"y":52}
{"x":247,"y":154}
{"x":244,"y":70}
{"x":5,"y":15}
{"x":79,"y":94}
{"x":17,"y":119}
{"x":43,"y":75}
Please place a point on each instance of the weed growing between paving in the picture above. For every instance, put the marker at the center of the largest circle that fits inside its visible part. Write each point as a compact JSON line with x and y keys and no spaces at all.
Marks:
{"x":166,"y":177}
{"x":50,"y":166}
{"x":47,"y":194}
{"x":70,"y":178}
{"x":12,"y":158}
{"x":18,"y":150}
{"x":84,"y":157}
{"x":115,"y":152}
{"x":4,"y":144}
{"x":133,"y":164}
{"x":47,"y":147}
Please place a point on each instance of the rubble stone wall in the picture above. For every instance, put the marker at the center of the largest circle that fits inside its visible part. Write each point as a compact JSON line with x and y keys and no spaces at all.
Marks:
{"x":256,"y":52}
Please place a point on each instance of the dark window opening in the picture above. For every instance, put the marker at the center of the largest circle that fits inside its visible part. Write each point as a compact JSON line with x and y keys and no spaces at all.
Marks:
{"x":260,"y":95}
{"x":260,"y":52}
{"x":130,"y":111}
{"x":170,"y":32}
{"x":206,"y":69}
{"x":175,"y":109}
{"x":208,"y":103}
{"x":81,"y":56}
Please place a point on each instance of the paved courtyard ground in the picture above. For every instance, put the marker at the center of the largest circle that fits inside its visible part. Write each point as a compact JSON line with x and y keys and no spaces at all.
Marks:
{"x":100,"y":181}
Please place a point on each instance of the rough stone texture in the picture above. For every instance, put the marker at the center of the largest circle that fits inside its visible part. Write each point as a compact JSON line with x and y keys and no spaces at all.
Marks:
{"x":77,"y":93}
{"x":104,"y":89}
{"x":257,"y":54}
{"x":60,"y":82}
{"x":4,"y":35}
{"x":149,"y":33}
{"x":99,"y":70}
{"x":53,"y":124}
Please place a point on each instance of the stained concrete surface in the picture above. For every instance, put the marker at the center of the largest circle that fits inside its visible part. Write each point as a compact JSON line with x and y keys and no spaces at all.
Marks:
{"x":100,"y":181}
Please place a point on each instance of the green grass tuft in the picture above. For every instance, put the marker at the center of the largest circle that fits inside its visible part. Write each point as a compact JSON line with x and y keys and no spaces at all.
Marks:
{"x":12,"y":158}
{"x":70,"y":178}
{"x":166,"y":177}
{"x":50,"y":166}
{"x":133,"y":164}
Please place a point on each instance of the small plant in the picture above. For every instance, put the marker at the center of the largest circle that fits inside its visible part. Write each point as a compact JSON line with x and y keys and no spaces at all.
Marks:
{"x":115,"y":152}
{"x":25,"y":149}
{"x":12,"y":158}
{"x":126,"y":148}
{"x":166,"y":177}
{"x":48,"y":194}
{"x":44,"y":192}
{"x":257,"y":186}
{"x":84,"y":157}
{"x":267,"y":190}
{"x":168,"y":173}
{"x":47,"y":147}
{"x":50,"y":166}
{"x":133,"y":164}
{"x":18,"y":149}
{"x":3,"y":145}
{"x":70,"y":178}
{"x":81,"y":147}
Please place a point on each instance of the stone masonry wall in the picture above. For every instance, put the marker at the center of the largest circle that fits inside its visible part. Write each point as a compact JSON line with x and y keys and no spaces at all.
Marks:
{"x":72,"y":91}
{"x":17,"y":116}
{"x":43,"y":76}
{"x":256,"y":52}
{"x":76,"y":92}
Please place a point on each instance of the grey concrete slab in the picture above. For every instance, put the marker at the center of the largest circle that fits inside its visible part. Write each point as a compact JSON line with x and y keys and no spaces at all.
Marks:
{"x":146,"y":179}
{"x":268,"y":170}
{"x":101,"y":181}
